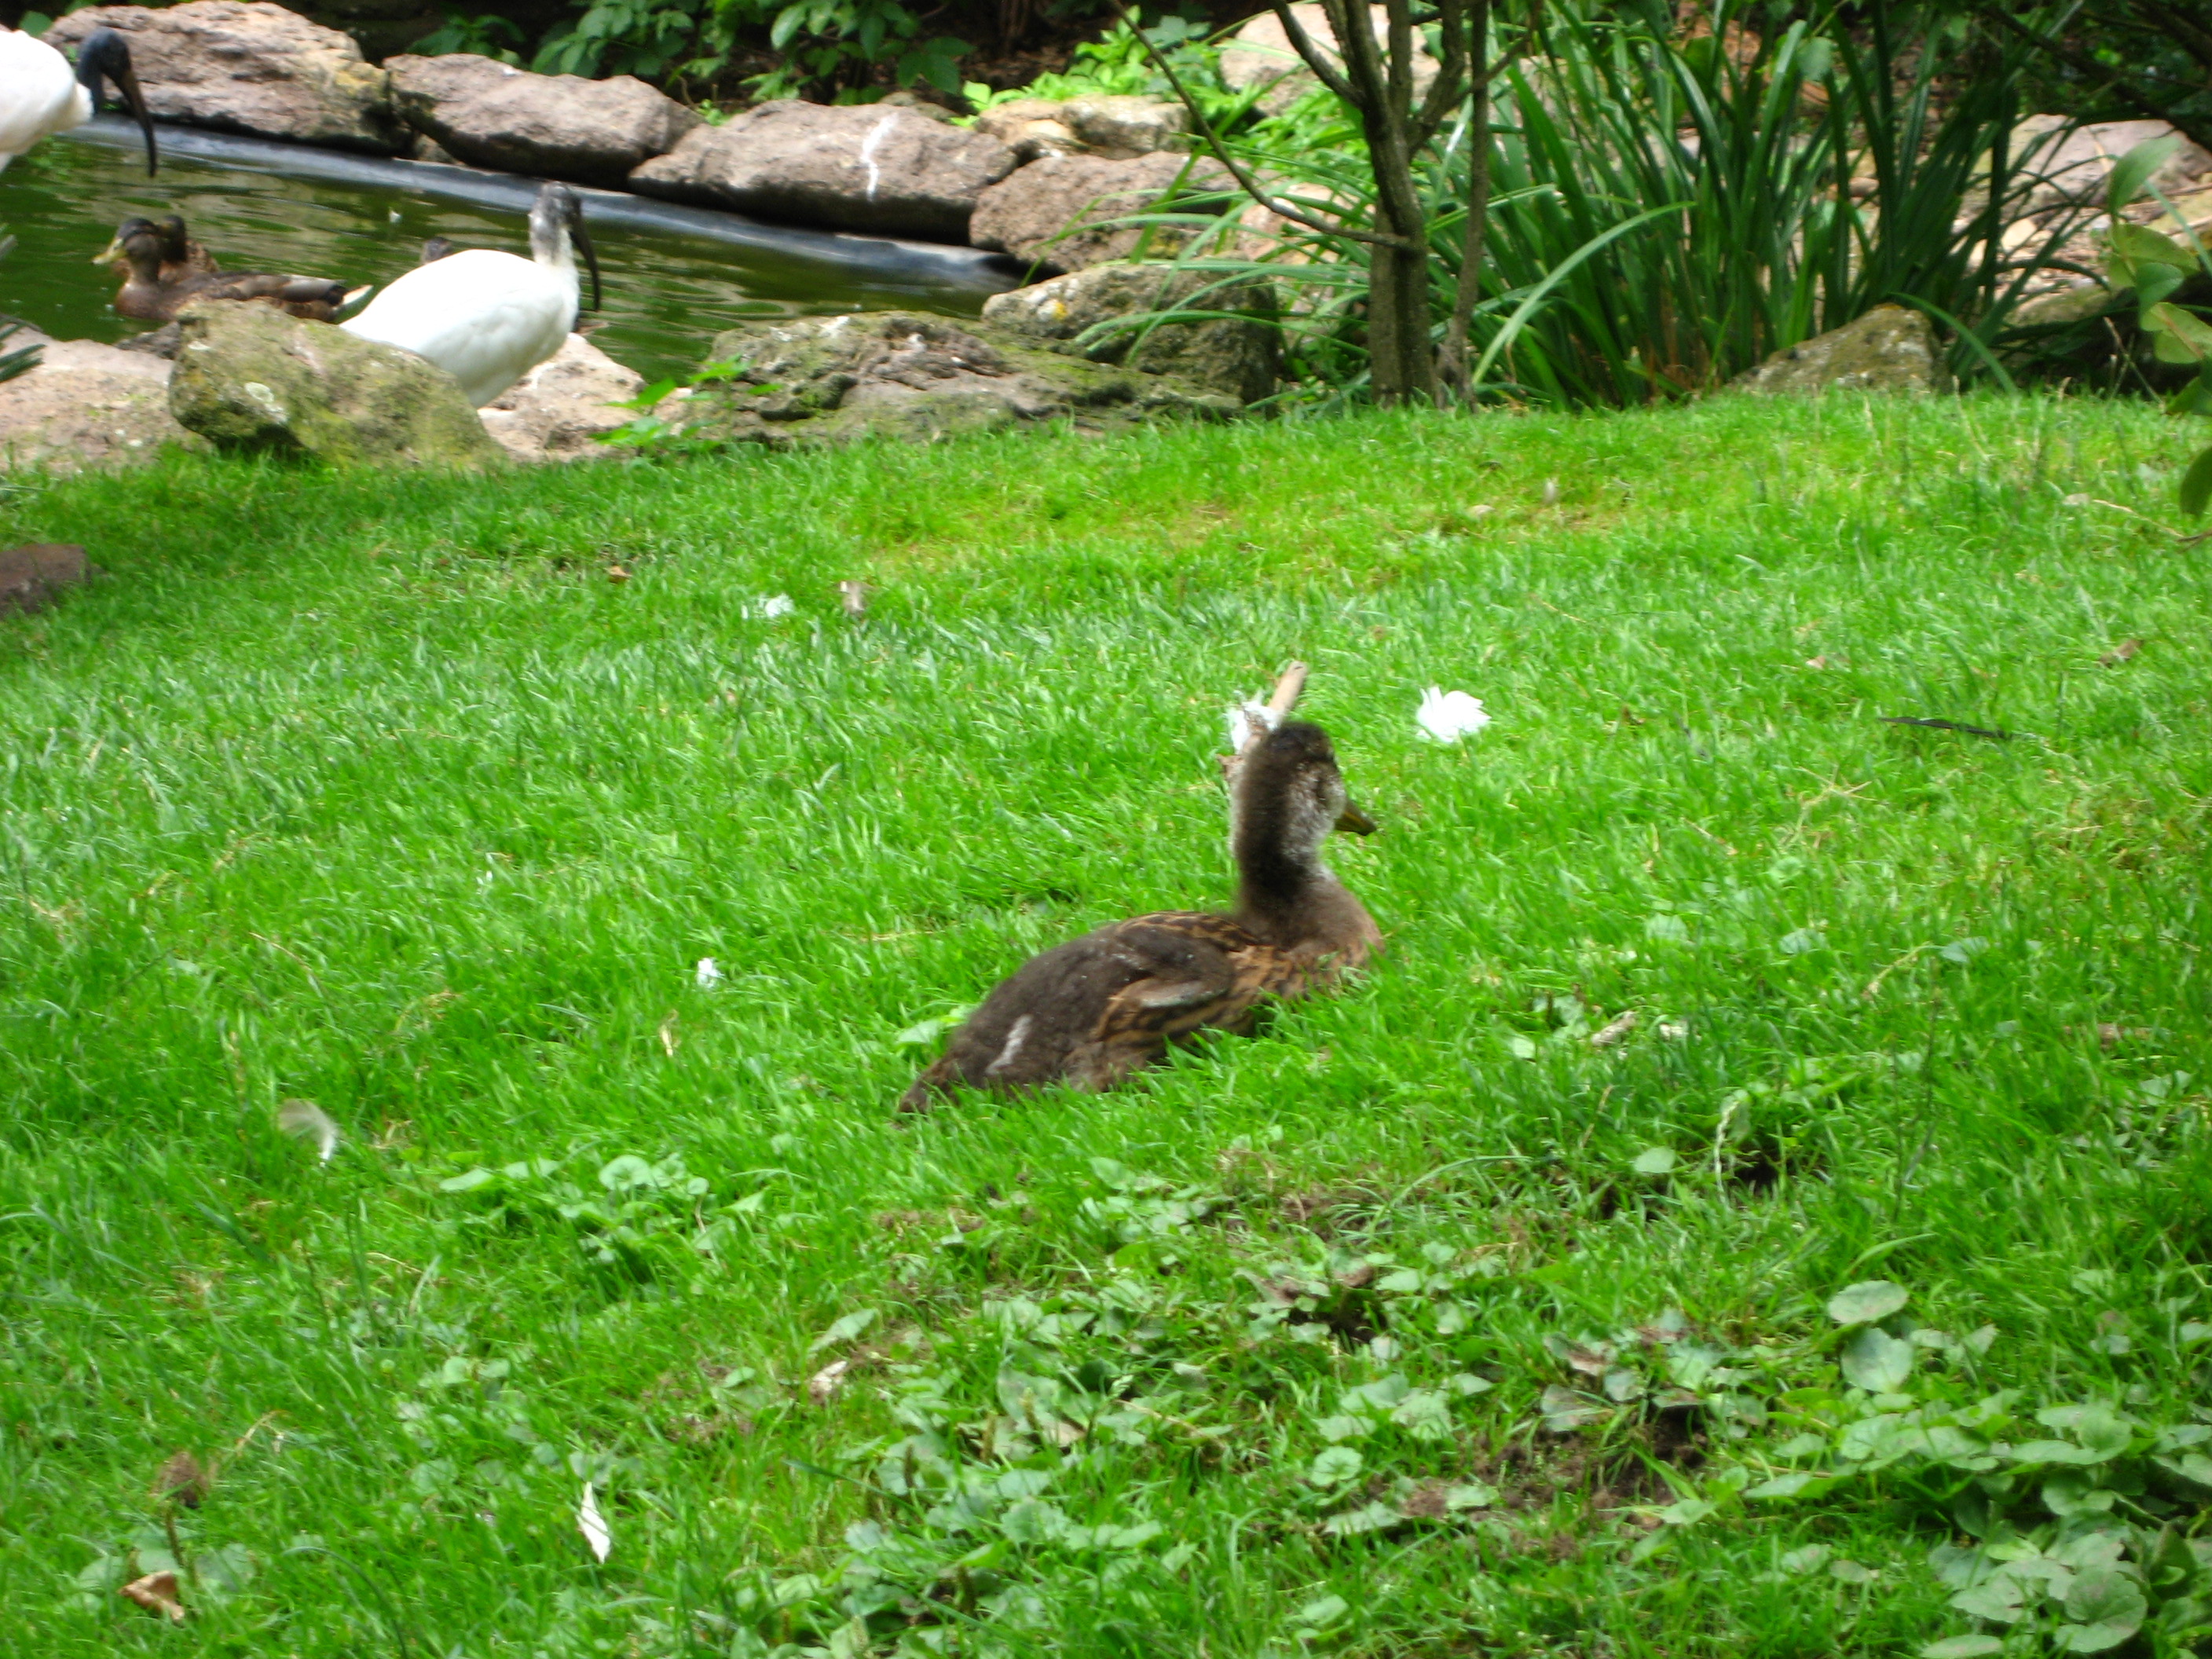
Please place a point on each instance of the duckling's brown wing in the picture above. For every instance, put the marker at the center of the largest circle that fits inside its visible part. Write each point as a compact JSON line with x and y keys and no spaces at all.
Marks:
{"x":1092,"y":1011}
{"x":1263,"y":969}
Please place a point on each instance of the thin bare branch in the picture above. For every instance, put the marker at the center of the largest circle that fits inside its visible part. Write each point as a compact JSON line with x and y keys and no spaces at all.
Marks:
{"x":1331,"y":73}
{"x":1243,"y":175}
{"x":1450,"y":85}
{"x":1452,"y":354}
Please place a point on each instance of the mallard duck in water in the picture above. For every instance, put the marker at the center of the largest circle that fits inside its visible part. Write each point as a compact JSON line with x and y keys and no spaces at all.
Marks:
{"x":145,"y":249}
{"x":1091,"y":1012}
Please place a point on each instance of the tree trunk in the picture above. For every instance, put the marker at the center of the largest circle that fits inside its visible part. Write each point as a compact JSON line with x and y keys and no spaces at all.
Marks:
{"x":1401,"y":362}
{"x":1401,"y":365}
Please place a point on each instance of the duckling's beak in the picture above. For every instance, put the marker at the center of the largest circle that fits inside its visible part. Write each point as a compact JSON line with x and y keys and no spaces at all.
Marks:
{"x":1357,"y":822}
{"x":112,"y":251}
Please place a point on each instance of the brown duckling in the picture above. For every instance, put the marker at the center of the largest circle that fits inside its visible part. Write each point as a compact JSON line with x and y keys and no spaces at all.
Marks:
{"x":145,"y":295}
{"x":1091,"y":1012}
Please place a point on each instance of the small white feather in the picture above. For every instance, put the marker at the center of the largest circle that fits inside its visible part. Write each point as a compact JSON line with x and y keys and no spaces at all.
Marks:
{"x":1248,"y":719}
{"x":303,"y":1120}
{"x":707,"y":974}
{"x":593,"y":1525}
{"x":1448,"y":716}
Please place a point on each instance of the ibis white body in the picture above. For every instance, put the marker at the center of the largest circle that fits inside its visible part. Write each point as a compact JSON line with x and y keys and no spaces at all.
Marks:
{"x":487,"y":319}
{"x":39,"y":94}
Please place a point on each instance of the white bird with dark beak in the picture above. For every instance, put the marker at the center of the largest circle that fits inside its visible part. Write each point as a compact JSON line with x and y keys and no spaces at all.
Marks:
{"x":488,"y":319}
{"x":42,"y":93}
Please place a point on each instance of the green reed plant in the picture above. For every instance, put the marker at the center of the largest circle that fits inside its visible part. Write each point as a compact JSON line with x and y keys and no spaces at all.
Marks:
{"x":1665,"y":211}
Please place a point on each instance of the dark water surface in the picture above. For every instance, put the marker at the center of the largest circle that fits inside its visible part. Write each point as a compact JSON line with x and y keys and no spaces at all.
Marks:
{"x":666,"y":294}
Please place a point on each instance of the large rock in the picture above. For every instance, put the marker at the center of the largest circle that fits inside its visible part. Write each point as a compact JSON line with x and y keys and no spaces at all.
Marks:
{"x":822,"y":380}
{"x":90,"y":406}
{"x":856,"y":167}
{"x":550,"y":126}
{"x":1261,"y":54}
{"x":1030,"y":127}
{"x":1239,"y":356}
{"x":557,"y":411}
{"x":1110,"y":124}
{"x":1061,"y":212}
{"x":2074,"y":166}
{"x":247,"y":66}
{"x":1888,"y":349}
{"x":251,"y":378}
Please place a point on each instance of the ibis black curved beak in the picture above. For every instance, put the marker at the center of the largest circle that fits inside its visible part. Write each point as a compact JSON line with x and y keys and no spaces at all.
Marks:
{"x":583,"y":241}
{"x":106,"y":55}
{"x":1357,"y":822}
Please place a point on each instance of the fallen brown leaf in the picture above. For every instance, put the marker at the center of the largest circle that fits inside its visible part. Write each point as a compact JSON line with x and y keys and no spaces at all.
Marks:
{"x":824,"y":1383}
{"x":617,"y":574}
{"x":1616,"y":1031}
{"x":2124,"y":652}
{"x":157,"y":1593}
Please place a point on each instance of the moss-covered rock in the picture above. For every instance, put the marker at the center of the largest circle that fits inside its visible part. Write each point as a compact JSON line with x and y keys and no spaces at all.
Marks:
{"x":898,"y":374}
{"x":248,"y":377}
{"x":1888,"y":349}
{"x":1235,"y":355}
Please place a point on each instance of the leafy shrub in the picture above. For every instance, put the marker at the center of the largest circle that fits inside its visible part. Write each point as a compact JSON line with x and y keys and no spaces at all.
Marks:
{"x":2153,"y":267}
{"x":826,"y":43}
{"x":485,"y":34}
{"x":1119,"y":64}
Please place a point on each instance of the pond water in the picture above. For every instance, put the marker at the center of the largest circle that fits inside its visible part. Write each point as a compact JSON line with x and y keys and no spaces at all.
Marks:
{"x":667,"y":293}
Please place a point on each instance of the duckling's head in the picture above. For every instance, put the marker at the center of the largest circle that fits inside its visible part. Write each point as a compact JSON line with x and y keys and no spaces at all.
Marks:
{"x":137,"y":243}
{"x":1287,"y":796}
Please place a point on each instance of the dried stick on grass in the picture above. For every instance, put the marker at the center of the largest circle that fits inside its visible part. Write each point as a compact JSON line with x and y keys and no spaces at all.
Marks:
{"x":1288,"y":690}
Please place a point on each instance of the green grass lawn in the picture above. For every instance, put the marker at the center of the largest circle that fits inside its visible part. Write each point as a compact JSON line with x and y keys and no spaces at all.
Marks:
{"x":1419,"y":1324}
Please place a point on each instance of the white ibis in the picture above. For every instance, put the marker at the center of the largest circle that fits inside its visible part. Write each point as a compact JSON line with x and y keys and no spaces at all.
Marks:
{"x":40,"y":93}
{"x":488,"y":319}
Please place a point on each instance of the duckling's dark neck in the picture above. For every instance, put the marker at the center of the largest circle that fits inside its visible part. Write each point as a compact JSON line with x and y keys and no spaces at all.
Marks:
{"x":1284,"y":893}
{"x":1272,"y":875}
{"x":1298,"y":904}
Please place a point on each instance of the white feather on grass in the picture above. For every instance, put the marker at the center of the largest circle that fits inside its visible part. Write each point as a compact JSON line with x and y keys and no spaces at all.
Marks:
{"x":707,"y":974}
{"x":593,"y":1525}
{"x":303,"y":1120}
{"x":1448,"y":716}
